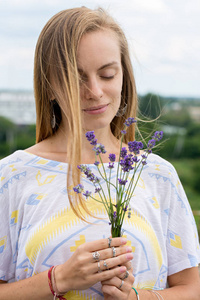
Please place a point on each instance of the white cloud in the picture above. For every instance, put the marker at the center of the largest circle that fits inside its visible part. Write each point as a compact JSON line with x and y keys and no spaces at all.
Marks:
{"x":163,"y":36}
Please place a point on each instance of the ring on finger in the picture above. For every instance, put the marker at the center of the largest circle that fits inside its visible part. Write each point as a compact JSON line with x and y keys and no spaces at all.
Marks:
{"x":96,"y":255}
{"x":109,"y":242}
{"x":99,"y":269}
{"x":126,"y":275}
{"x":121,"y":284}
{"x":105,"y":265}
{"x":114,"y":251}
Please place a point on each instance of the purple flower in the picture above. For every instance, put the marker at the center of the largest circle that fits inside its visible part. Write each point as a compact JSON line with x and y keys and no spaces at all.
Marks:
{"x":129,"y":121}
{"x":78,"y":188}
{"x":96,"y":179}
{"x":97,"y":190}
{"x":111,"y":165}
{"x":144,"y":156}
{"x":114,"y":215}
{"x":158,"y":135}
{"x":135,"y":146}
{"x":144,"y":162}
{"x":127,"y":163}
{"x":123,"y":152}
{"x":94,"y":142}
{"x":99,"y":148}
{"x":112,"y":157}
{"x":136,"y":159}
{"x":125,"y":208}
{"x":122,"y":182}
{"x":96,"y":163}
{"x":90,"y":135}
{"x":87,"y":194}
{"x":123,"y":131}
{"x":91,"y":138}
{"x":151,"y":144}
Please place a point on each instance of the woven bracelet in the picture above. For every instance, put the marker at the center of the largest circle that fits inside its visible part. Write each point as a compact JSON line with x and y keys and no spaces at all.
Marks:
{"x":55,"y":295}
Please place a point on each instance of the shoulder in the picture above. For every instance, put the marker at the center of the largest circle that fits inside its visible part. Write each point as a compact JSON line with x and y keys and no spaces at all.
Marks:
{"x":9,"y":163}
{"x":157,"y":164}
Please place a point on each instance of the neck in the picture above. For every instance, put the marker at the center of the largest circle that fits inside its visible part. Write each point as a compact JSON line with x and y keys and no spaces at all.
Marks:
{"x":105,"y":137}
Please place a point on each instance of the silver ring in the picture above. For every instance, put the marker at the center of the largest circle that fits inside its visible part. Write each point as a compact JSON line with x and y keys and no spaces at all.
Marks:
{"x":109,"y":242}
{"x":114,"y":251}
{"x":99,"y":269}
{"x":121,"y":284}
{"x":96,"y":255}
{"x":126,"y":275}
{"x":105,"y":264}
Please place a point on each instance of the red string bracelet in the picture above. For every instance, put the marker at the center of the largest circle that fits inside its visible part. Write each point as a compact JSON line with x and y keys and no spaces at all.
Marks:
{"x":51,"y":285}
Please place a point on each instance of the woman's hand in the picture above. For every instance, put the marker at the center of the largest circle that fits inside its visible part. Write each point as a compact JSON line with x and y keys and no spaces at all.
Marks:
{"x":83,"y":270}
{"x":119,"y":287}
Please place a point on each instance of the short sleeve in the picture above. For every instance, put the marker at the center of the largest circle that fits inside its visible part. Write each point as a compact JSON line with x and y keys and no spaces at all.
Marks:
{"x":182,"y":236}
{"x":7,"y":263}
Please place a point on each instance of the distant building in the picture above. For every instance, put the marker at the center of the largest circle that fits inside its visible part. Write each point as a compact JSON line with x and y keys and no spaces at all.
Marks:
{"x":194,"y":113}
{"x":18,"y":106}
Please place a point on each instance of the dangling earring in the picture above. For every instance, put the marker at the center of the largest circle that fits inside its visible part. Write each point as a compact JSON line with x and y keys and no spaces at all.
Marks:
{"x":121,"y":111}
{"x":53,"y":119}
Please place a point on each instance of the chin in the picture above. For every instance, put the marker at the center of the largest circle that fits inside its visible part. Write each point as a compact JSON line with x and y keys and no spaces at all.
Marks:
{"x":96,"y":125}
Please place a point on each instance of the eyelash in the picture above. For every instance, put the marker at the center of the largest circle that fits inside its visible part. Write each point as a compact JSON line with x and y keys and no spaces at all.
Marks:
{"x":108,"y":77}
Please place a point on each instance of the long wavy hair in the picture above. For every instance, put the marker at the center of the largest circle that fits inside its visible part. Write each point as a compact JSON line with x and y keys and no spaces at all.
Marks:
{"x":56,"y":76}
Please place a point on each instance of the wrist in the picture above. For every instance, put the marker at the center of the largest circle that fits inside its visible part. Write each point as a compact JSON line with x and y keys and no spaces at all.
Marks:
{"x":136,"y":295}
{"x":61,"y":281}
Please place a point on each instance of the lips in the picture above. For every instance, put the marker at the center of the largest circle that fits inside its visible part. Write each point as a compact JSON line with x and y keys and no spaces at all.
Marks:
{"x":96,"y":110}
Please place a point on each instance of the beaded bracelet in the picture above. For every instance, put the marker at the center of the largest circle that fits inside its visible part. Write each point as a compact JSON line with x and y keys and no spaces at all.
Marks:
{"x":52,"y":284}
{"x":138,"y":297}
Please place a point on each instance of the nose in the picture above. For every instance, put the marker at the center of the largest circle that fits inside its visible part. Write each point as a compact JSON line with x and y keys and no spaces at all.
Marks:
{"x":93,"y":89}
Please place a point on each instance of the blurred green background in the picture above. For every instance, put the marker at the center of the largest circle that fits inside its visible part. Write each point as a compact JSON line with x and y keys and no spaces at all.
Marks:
{"x":179,"y":118}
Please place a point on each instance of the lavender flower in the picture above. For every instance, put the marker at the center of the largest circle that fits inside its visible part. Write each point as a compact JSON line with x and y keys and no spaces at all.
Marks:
{"x":111,"y":165}
{"x":127,"y":163}
{"x":90,"y":135}
{"x":99,"y":148}
{"x":78,"y":188}
{"x":114,"y":215}
{"x":97,"y":190}
{"x":158,"y":135}
{"x":128,"y":160}
{"x":87,"y":194}
{"x":123,"y":152}
{"x":112,"y":157}
{"x":136,"y":159}
{"x":122,"y":182}
{"x":129,"y":121}
{"x":135,"y":146}
{"x":150,"y":145}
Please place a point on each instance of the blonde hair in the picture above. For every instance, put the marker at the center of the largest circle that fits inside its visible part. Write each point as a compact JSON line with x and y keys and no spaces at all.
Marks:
{"x":55,"y":55}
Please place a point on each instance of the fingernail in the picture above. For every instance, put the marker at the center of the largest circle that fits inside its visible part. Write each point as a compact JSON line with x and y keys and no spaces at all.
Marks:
{"x":128,"y":249}
{"x":129,"y":256}
{"x":123,"y":269}
{"x":123,"y":241}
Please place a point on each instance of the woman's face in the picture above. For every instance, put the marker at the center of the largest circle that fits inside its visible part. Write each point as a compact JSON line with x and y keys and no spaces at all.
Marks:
{"x":100,"y":69}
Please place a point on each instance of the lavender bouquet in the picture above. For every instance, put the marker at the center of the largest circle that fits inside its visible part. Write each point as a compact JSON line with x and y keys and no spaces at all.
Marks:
{"x":129,"y":168}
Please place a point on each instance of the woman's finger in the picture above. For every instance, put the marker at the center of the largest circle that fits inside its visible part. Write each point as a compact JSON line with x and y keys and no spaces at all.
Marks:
{"x":104,"y":244}
{"x":107,"y":264}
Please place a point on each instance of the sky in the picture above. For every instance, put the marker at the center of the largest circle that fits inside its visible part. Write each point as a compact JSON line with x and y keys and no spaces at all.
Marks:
{"x":163,"y":36}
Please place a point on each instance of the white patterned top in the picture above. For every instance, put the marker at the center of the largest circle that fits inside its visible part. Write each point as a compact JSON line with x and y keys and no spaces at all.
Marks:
{"x":38,"y":228}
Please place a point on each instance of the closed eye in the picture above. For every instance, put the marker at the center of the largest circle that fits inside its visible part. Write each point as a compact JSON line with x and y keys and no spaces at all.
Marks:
{"x":108,"y":77}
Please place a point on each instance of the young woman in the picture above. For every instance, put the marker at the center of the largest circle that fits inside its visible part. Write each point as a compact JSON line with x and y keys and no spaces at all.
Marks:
{"x":53,"y":242}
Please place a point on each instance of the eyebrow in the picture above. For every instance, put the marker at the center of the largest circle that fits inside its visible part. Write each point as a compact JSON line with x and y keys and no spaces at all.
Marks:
{"x":104,"y":66}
